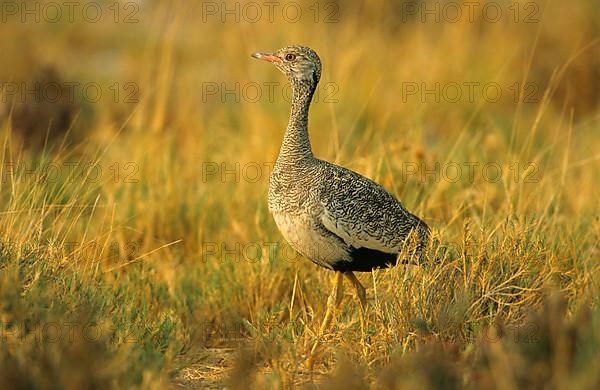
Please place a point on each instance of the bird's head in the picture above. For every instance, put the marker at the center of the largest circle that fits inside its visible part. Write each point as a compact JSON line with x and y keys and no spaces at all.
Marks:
{"x":297,"y":63}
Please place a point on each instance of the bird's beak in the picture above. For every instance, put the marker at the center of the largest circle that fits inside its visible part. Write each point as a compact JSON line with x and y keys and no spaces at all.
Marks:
{"x":266,"y":57}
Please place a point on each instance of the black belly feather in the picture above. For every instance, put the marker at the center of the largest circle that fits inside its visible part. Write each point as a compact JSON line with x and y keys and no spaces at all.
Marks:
{"x":365,"y":260}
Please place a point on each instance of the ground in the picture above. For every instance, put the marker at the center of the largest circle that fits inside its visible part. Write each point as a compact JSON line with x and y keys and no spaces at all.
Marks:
{"x":136,"y":248}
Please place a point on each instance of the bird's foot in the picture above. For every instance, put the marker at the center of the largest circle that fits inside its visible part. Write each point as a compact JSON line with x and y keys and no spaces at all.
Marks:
{"x":333,"y":302}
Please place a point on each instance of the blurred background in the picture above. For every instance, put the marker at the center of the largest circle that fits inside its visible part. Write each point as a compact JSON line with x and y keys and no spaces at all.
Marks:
{"x":138,"y":137}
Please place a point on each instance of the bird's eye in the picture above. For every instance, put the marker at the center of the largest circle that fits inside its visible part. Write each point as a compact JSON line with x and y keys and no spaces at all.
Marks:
{"x":290,"y":57}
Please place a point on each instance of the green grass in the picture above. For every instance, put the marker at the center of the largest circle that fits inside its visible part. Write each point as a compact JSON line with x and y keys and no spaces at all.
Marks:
{"x":123,"y":263}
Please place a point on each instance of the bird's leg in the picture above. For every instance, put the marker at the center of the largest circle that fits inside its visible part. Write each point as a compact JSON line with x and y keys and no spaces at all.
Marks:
{"x":332,"y":303}
{"x":362,"y":304}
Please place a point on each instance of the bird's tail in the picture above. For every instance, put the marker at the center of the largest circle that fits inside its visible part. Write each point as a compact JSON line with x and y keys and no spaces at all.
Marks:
{"x":416,"y":243}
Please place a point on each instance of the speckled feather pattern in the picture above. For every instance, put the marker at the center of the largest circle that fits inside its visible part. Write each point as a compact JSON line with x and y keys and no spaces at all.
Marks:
{"x":332,"y":215}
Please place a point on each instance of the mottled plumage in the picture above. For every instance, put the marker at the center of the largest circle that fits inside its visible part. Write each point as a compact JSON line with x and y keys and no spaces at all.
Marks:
{"x":333,"y":216}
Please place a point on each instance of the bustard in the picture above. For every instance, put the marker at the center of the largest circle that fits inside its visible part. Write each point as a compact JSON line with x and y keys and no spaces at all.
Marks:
{"x":331,"y":215}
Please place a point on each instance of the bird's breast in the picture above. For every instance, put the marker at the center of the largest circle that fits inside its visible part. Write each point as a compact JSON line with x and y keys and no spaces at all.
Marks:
{"x":304,"y":234}
{"x":290,"y":195}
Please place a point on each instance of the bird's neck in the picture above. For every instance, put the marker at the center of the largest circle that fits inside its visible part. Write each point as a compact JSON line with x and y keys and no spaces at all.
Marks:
{"x":296,"y":144}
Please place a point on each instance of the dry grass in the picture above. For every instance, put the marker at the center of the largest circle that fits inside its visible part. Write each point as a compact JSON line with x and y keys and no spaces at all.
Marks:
{"x":118,"y":226}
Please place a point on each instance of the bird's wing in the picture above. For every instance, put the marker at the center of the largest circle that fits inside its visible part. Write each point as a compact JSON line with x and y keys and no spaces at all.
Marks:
{"x":362,"y":213}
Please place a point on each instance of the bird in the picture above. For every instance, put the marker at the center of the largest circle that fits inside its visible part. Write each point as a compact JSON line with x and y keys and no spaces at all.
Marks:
{"x":333,"y":216}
